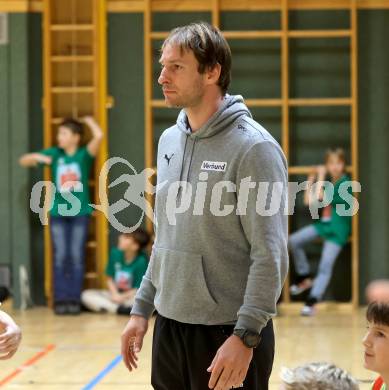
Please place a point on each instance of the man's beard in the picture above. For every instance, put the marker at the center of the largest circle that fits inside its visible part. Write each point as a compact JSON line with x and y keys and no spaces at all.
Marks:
{"x":188,"y":101}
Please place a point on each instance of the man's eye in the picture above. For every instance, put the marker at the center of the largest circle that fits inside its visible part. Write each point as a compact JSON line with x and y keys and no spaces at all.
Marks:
{"x":177,"y":66}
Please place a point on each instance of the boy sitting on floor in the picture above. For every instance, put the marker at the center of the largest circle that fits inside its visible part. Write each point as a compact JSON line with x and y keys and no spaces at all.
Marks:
{"x":125,"y":269}
{"x":376,"y":343}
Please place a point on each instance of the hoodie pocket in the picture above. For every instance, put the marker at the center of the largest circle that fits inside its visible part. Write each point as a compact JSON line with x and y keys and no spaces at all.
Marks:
{"x":179,"y":279}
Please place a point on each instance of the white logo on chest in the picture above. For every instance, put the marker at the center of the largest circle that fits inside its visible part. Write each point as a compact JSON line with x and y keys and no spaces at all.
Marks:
{"x":214,"y":166}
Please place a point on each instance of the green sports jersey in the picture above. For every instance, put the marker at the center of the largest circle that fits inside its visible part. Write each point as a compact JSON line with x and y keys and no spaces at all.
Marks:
{"x":126,"y":275}
{"x":332,"y":226}
{"x":70,"y":174}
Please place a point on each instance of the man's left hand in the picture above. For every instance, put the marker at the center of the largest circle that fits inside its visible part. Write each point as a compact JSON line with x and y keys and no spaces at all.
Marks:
{"x":230,"y":365}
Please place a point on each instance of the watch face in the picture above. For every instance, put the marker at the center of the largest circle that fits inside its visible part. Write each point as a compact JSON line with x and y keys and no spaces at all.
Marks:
{"x":252,"y":340}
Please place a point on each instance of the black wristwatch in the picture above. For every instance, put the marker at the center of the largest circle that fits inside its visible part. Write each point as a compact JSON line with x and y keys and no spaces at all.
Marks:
{"x":249,"y":338}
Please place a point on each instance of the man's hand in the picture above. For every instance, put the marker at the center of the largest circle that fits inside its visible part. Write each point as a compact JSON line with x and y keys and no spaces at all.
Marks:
{"x":10,"y":338}
{"x":132,"y":340}
{"x":230,"y":365}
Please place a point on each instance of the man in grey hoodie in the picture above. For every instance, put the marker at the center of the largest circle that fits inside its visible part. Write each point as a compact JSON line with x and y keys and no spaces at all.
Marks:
{"x":220,"y":257}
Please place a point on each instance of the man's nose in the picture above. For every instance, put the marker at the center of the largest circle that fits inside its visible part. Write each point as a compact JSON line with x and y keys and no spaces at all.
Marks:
{"x":162,"y":76}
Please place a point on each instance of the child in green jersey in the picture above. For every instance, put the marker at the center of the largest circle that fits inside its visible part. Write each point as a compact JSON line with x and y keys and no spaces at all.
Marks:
{"x":332,"y":227}
{"x":70,"y":165}
{"x":125,"y":269}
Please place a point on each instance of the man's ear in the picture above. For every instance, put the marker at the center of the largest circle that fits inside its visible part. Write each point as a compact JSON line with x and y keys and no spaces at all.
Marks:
{"x":213,"y":74}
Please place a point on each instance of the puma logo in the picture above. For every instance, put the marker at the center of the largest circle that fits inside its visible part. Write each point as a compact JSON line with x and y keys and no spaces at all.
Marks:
{"x":168,"y":158}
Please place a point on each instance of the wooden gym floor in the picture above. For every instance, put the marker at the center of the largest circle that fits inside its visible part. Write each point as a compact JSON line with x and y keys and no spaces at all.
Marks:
{"x":68,"y":353}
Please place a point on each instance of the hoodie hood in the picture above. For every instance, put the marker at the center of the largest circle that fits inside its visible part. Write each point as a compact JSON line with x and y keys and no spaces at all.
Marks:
{"x":231,"y":109}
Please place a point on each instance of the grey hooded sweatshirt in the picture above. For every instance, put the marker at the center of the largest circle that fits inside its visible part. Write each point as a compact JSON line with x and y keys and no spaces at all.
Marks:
{"x":226,"y":263}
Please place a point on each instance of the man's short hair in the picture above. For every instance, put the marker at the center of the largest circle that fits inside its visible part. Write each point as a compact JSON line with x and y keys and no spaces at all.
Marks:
{"x":318,"y":376}
{"x":208,"y":46}
{"x":378,"y":313}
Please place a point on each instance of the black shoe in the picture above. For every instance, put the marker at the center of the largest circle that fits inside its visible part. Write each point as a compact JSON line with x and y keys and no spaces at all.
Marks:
{"x":301,"y":278}
{"x":4,"y":293}
{"x":311,"y":301}
{"x":60,"y":308}
{"x":124,"y":310}
{"x":73,"y":308}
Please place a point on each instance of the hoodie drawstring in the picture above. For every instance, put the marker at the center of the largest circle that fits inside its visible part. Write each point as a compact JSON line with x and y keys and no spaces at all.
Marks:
{"x":190,"y":161}
{"x":183,"y":157}
{"x":182,"y":165}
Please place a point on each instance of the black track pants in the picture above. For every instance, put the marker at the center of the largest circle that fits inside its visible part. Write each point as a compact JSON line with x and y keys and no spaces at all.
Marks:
{"x":183,"y":352}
